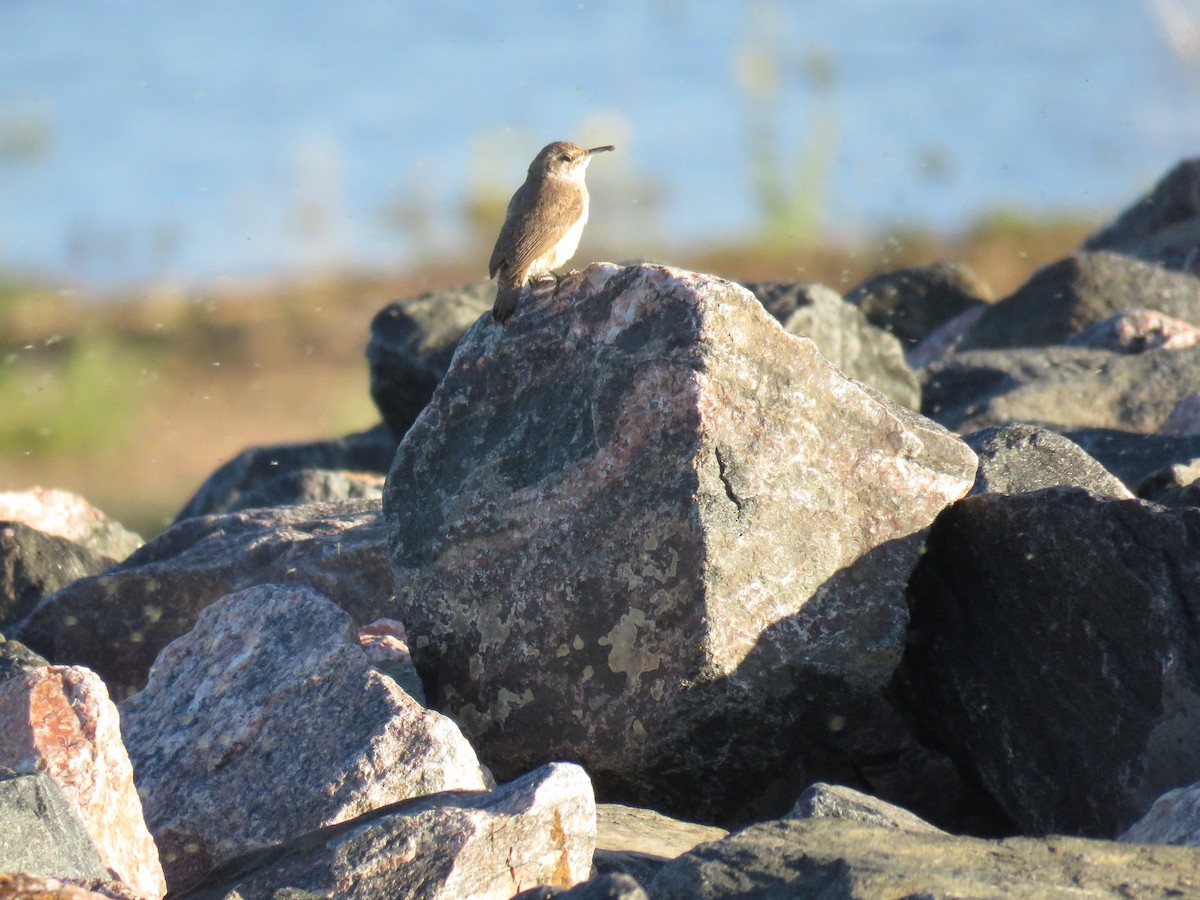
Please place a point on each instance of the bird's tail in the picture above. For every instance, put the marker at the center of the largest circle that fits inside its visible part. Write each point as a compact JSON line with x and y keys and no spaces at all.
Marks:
{"x":508,"y":291}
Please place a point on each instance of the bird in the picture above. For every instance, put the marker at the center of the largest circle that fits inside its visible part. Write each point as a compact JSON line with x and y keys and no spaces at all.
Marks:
{"x":544,"y":222}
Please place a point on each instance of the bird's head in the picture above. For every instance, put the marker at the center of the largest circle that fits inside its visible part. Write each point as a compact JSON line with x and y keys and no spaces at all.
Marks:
{"x":565,"y":159}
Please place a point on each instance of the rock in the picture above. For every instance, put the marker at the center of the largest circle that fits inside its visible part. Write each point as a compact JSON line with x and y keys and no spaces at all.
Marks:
{"x":1018,"y":458}
{"x":1136,"y":331}
{"x":538,"y":830}
{"x":69,"y":516}
{"x":1134,"y":457}
{"x":833,"y":801}
{"x":271,"y":696}
{"x":912,"y":303}
{"x":117,"y":622}
{"x":638,"y":842}
{"x":846,"y":859}
{"x":295,"y":474}
{"x":1162,"y":227}
{"x":411,"y":345}
{"x":601,"y":533}
{"x":1052,"y":652}
{"x":843,"y":335}
{"x":1184,"y":418}
{"x":608,"y":886}
{"x":23,"y":886}
{"x":385,"y":642}
{"x":1087,"y":287}
{"x":1058,"y":387}
{"x":60,"y":720}
{"x":34,"y":564}
{"x":40,"y":833}
{"x":1173,"y":819}
{"x":17,"y":659}
{"x":944,"y":340}
{"x":1178,"y":485}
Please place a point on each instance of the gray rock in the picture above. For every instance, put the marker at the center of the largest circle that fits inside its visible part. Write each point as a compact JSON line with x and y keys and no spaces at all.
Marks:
{"x":912,"y":303}
{"x":1058,"y":387}
{"x":69,"y":516}
{"x":1052,"y":651}
{"x":34,"y":564}
{"x":601,"y":529}
{"x":1134,"y":457}
{"x":1017,"y":458}
{"x":536,"y":830}
{"x":835,"y":801}
{"x":1178,"y":485}
{"x":1087,"y":287}
{"x":411,"y":345}
{"x":117,"y":622}
{"x":843,"y":335}
{"x":273,"y":476}
{"x":1164,"y":226}
{"x":271,"y":697}
{"x":1173,"y":819}
{"x":606,"y":886}
{"x":639,"y":842}
{"x":40,"y":832}
{"x":17,"y":659}
{"x":839,"y":858}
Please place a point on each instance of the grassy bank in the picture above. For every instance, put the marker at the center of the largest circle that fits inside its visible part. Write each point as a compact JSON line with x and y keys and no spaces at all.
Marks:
{"x":133,"y":402}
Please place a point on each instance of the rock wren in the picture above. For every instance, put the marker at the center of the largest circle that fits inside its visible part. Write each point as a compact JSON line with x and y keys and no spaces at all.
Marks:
{"x":544,"y":222}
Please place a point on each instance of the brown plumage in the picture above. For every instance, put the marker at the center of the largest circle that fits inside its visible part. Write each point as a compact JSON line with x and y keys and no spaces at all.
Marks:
{"x":543,"y":224}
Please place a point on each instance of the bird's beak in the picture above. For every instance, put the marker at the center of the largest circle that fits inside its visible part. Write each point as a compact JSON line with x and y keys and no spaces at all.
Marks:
{"x":601,"y":149}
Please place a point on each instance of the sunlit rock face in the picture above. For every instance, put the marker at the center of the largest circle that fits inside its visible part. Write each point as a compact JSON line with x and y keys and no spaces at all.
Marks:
{"x":271,"y":697}
{"x":644,"y":528}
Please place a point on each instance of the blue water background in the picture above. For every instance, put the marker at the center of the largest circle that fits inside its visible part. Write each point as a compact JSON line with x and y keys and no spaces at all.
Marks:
{"x":146,"y":140}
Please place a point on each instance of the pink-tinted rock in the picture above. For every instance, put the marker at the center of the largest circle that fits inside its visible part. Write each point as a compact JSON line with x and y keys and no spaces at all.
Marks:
{"x":940,"y":342}
{"x":539,"y":829}
{"x":23,"y":886}
{"x":644,"y":528}
{"x":268,"y":720}
{"x":69,"y":516}
{"x":60,"y":720}
{"x":1137,"y":330}
{"x":385,"y":640}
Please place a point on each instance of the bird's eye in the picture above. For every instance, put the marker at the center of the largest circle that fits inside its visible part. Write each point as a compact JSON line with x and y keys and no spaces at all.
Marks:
{"x":564,"y":157}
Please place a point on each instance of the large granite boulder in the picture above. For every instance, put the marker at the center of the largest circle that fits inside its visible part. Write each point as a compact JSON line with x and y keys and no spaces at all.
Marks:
{"x":1053,"y":652}
{"x":644,"y":528}
{"x":411,"y":344}
{"x":117,"y":622}
{"x":1080,"y":290}
{"x":271,"y":696}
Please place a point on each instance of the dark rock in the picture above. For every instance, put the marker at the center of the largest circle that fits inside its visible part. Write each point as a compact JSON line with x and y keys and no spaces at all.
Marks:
{"x":608,"y":886}
{"x":843,"y":335}
{"x":69,"y":516}
{"x":639,"y":842}
{"x":40,"y":832}
{"x":274,"y":476}
{"x":838,"y":858}
{"x":1178,"y":485}
{"x":1058,"y":387}
{"x":601,"y":528}
{"x":944,"y":340}
{"x":17,"y":659}
{"x":34,"y":564}
{"x":911,"y":303}
{"x":1053,"y":652}
{"x":1162,"y":227}
{"x":1018,"y":458}
{"x":411,"y":345}
{"x":270,"y":696}
{"x":1134,"y":457}
{"x":1066,"y":296}
{"x":835,"y":801}
{"x":117,"y":622}
{"x":537,"y":830}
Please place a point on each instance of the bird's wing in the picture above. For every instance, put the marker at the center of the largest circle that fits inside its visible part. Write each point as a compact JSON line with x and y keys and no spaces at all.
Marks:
{"x":529,"y":236}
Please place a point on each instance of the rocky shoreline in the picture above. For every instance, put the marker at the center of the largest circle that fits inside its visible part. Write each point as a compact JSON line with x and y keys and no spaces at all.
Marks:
{"x":675,"y":588}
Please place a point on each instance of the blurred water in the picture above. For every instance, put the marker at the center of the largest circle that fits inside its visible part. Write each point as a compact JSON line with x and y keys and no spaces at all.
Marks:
{"x":145,"y":140}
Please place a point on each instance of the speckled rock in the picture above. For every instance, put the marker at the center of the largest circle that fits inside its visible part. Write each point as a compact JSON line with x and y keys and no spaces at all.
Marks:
{"x":276,"y":476}
{"x":537,"y":830}
{"x":117,"y":622}
{"x":1080,"y":290}
{"x":60,"y":720}
{"x":17,"y":659}
{"x":835,"y":801}
{"x":1053,"y":652}
{"x":844,"y":859}
{"x":602,"y":529}
{"x":411,"y":344}
{"x":41,"y":833}
{"x":639,"y":842}
{"x":34,"y":564}
{"x":1173,"y":819}
{"x":1018,"y":458}
{"x":271,"y":697}
{"x":69,"y":516}
{"x":24,"y":886}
